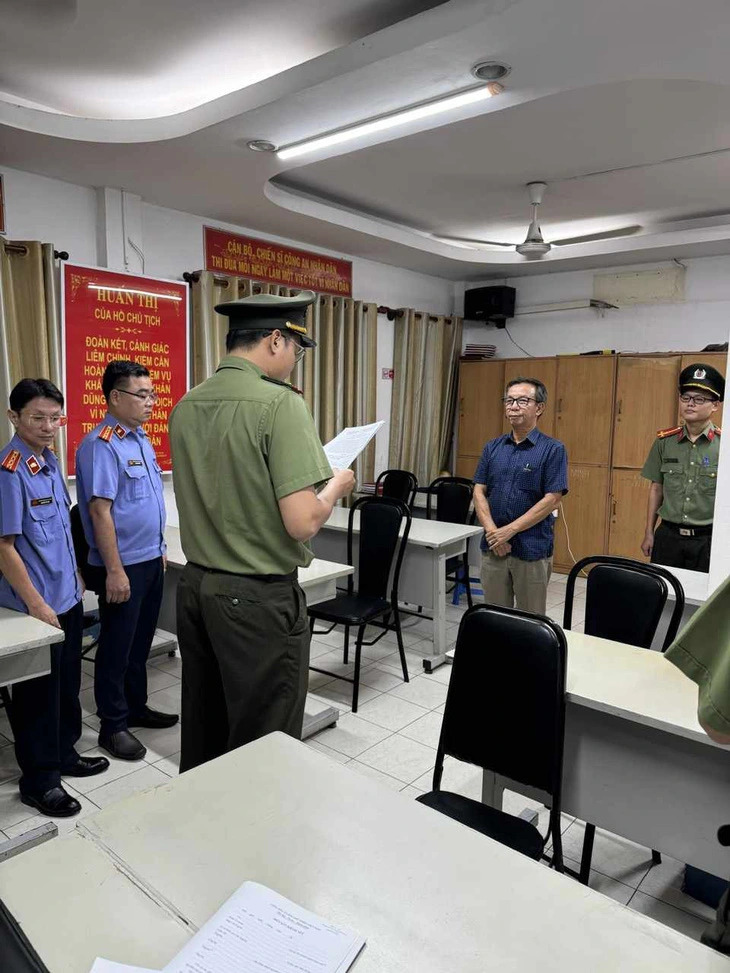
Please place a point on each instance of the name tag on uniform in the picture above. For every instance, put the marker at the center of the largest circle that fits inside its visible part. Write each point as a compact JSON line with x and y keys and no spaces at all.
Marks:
{"x":41,"y":501}
{"x":670,"y":459}
{"x":135,"y":462}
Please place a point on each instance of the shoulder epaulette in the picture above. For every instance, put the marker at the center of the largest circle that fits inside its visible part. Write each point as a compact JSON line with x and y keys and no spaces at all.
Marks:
{"x":663,"y":433}
{"x":715,"y":431}
{"x":285,"y":385}
{"x":11,"y":461}
{"x":106,"y":433}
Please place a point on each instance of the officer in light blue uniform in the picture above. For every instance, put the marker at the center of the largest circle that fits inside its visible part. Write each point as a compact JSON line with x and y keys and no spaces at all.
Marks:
{"x":122,"y":507}
{"x":39,"y":578}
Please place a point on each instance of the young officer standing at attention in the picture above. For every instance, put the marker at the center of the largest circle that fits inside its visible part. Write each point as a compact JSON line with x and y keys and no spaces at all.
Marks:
{"x":39,"y":577}
{"x":520,"y":480}
{"x":122,"y":508}
{"x":247,"y":459}
{"x":682,"y":466}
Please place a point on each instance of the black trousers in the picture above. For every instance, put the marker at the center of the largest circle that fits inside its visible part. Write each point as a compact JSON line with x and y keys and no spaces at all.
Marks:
{"x":676,"y":551}
{"x":46,"y":713}
{"x":244,"y":644}
{"x":127,"y":631}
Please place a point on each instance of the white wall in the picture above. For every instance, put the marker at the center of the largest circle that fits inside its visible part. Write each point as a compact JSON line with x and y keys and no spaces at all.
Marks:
{"x":700,"y":320}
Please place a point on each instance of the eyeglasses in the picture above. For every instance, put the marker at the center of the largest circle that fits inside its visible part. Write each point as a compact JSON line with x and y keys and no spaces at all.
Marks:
{"x":697,"y":399}
{"x":142,"y":396}
{"x":299,"y":353}
{"x":38,"y":420}
{"x":522,"y":402}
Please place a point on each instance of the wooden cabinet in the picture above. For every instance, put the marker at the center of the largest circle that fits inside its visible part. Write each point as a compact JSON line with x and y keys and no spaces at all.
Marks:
{"x":583,"y":513}
{"x":646,"y":400}
{"x":480,"y":409}
{"x":627,"y":515}
{"x":718,"y":360}
{"x":584,"y":410}
{"x":544,"y":369}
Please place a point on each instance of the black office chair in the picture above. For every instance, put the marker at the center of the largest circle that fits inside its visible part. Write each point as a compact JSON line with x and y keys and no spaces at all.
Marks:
{"x":505,"y":712}
{"x":625,"y":600}
{"x":453,"y":505}
{"x":398,"y":484}
{"x":382,"y":546}
{"x":81,"y":550}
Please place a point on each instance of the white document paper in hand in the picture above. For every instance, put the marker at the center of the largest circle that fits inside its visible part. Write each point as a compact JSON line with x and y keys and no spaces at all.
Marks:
{"x":109,"y":966}
{"x":259,"y":930}
{"x":344,"y":449}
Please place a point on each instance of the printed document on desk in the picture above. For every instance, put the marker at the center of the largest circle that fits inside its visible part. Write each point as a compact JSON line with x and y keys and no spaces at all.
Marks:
{"x":344,"y":449}
{"x":259,"y":930}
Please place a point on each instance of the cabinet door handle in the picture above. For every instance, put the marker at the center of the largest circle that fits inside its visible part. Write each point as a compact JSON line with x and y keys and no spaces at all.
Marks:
{"x":613,"y":506}
{"x":618,"y":408}
{"x":560,"y":405}
{"x":461,"y":406}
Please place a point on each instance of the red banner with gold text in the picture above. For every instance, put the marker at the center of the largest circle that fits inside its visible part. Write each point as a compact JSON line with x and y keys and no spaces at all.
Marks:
{"x":109,"y":315}
{"x":243,"y":256}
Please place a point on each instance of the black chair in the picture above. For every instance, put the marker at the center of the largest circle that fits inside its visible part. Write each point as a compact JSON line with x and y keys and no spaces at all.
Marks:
{"x":505,"y":712}
{"x":81,"y":550}
{"x":382,"y":546}
{"x":453,"y":505}
{"x":397,"y":484}
{"x":625,"y":600}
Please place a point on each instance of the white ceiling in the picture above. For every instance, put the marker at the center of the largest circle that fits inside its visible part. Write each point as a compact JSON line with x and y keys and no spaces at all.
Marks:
{"x":623,"y":108}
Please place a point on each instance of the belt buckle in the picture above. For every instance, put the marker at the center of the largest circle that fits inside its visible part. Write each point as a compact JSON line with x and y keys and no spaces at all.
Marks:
{"x":686,"y":532}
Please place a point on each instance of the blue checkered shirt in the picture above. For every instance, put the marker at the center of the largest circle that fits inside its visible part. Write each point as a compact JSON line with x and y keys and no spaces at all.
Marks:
{"x":517,"y":476}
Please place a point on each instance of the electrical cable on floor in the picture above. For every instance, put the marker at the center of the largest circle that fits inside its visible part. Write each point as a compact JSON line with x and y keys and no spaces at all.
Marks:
{"x":528,"y":353}
{"x":567,"y":538}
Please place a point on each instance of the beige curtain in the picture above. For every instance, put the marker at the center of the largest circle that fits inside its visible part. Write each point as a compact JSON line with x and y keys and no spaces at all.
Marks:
{"x":337,"y":377}
{"x":425,"y":361}
{"x":30,"y":320}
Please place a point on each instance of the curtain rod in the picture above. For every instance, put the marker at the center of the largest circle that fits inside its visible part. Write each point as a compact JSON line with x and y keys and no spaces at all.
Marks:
{"x":23,"y":250}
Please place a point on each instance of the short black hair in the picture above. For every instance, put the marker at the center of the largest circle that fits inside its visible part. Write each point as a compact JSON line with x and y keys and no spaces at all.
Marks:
{"x":119,"y":370}
{"x":243,"y":340}
{"x":33,"y":388}
{"x":540,"y":390}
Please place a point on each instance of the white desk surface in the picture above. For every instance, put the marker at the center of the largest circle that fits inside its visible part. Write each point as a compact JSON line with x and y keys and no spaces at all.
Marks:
{"x":428,"y":894}
{"x":19,"y":632}
{"x":424,"y":533}
{"x":633,"y":683}
{"x":318,"y":572}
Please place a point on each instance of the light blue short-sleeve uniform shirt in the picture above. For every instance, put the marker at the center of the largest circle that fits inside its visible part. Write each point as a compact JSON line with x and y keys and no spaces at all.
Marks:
{"x":119,"y":464}
{"x":34,"y":508}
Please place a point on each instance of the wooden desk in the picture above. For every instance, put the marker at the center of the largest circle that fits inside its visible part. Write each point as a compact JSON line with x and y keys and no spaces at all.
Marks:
{"x":132,"y":888}
{"x":318,"y":582}
{"x":24,"y":646}
{"x":423,"y":575}
{"x":637,"y":762}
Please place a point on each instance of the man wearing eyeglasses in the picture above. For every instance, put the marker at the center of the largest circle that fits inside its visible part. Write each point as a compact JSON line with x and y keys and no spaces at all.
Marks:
{"x":38,"y":576}
{"x":122,"y":507}
{"x":520,"y":480}
{"x":682,"y":467}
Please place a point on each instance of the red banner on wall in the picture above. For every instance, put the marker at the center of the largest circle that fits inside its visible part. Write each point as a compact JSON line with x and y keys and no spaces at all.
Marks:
{"x":108,"y":316}
{"x":243,"y":256}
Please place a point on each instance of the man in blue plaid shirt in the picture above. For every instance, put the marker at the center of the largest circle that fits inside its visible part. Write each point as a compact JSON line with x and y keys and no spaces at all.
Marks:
{"x":520,"y":481}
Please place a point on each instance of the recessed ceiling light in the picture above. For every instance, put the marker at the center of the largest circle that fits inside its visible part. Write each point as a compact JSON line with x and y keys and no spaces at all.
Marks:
{"x":490,"y":70}
{"x":260,"y":145}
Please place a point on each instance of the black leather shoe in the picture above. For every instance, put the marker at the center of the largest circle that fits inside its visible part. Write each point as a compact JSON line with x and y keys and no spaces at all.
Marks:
{"x":56,"y":803}
{"x":85,"y":767}
{"x":123,"y":745}
{"x":153,"y":719}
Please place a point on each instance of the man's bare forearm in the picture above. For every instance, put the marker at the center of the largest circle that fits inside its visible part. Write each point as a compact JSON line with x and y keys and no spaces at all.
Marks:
{"x":16,"y":574}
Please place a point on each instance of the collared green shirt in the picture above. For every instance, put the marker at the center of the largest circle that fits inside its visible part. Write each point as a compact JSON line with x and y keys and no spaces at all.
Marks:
{"x":240,"y":442}
{"x":702,"y":652}
{"x":687,"y":472}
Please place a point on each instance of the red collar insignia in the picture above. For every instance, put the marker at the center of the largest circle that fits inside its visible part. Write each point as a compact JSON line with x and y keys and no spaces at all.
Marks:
{"x":120,"y":431}
{"x":33,"y":465}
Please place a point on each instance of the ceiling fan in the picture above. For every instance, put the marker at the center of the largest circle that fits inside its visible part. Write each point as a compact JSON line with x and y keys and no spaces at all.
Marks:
{"x":534,"y":244}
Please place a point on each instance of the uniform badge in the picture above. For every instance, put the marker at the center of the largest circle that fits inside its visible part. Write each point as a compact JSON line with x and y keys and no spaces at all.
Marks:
{"x":705,"y":460}
{"x":663,"y":433}
{"x":11,"y":461}
{"x":106,"y":433}
{"x":700,"y":373}
{"x":41,"y":501}
{"x":135,"y":462}
{"x":33,"y":465}
{"x":120,"y":431}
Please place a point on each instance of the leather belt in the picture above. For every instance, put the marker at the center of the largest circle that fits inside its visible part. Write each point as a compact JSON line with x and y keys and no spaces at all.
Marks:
{"x":696,"y":531}
{"x":292,"y":576}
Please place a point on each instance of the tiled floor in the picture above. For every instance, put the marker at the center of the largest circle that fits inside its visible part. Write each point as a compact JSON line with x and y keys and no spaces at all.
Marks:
{"x":392,"y":738}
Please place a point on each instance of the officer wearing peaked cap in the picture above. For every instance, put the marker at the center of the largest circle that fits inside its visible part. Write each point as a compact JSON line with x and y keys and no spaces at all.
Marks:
{"x":247,"y":470}
{"x":682,"y":467}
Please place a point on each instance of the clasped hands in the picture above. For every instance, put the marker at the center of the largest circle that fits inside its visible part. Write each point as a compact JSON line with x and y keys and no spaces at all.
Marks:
{"x":498,"y":540}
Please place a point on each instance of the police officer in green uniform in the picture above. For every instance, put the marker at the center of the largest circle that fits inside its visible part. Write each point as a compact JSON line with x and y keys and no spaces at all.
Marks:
{"x":682,"y":467}
{"x":247,"y":463}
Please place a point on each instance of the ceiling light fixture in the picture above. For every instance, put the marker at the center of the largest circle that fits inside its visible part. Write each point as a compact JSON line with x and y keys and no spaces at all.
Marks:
{"x":386,"y":122}
{"x":490,"y":70}
{"x":261,"y":145}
